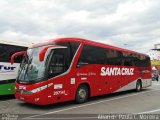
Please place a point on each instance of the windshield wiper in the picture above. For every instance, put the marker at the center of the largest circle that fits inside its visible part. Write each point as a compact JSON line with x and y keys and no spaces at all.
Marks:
{"x":29,"y":63}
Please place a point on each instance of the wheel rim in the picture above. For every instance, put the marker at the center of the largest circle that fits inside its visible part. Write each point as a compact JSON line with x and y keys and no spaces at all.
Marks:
{"x":82,"y":94}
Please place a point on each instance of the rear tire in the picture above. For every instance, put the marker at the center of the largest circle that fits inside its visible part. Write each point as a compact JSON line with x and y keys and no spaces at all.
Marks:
{"x":82,"y":94}
{"x":138,"y":86}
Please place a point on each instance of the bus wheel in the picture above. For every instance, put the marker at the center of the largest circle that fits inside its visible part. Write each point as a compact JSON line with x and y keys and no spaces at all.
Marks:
{"x":138,"y":86}
{"x":82,"y":94}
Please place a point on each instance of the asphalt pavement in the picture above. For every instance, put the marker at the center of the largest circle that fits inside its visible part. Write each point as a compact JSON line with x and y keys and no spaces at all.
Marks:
{"x":129,"y":102}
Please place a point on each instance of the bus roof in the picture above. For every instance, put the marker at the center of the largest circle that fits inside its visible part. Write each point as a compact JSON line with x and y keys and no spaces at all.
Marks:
{"x":16,"y":43}
{"x":90,"y":42}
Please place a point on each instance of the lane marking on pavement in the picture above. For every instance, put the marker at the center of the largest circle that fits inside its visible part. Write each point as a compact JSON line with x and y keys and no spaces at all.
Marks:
{"x":146,"y":112}
{"x":156,"y":84}
{"x":84,"y":105}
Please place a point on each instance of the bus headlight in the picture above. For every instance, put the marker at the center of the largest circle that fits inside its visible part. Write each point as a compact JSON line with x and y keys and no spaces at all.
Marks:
{"x":38,"y":89}
{"x":22,"y":91}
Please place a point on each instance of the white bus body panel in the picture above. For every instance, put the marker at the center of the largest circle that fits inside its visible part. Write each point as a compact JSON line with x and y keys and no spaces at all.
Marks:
{"x":132,"y":85}
{"x":9,"y":73}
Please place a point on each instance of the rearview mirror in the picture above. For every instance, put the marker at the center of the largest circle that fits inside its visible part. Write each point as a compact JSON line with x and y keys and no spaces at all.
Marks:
{"x":43,"y":53}
{"x":17,"y":54}
{"x":44,"y":50}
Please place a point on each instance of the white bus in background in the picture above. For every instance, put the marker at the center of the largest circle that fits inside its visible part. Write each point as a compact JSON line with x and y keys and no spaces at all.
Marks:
{"x":8,"y":72}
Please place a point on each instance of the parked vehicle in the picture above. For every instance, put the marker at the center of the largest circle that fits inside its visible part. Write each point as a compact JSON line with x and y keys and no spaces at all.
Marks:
{"x":8,"y":72}
{"x":75,"y":69}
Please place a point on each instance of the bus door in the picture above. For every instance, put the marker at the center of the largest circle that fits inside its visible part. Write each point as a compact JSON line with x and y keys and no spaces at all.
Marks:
{"x":58,"y":65}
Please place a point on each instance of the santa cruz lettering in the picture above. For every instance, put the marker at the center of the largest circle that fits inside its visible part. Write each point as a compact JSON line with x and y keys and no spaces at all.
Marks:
{"x":115,"y":71}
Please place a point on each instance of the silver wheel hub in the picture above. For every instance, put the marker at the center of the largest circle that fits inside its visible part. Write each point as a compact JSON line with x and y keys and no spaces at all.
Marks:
{"x":82,"y":93}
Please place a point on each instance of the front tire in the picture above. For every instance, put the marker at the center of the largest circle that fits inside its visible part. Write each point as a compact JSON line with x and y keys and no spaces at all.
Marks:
{"x":82,"y":94}
{"x":138,"y":86}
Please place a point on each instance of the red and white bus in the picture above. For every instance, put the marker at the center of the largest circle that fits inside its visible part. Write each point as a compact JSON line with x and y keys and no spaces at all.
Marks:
{"x":75,"y":69}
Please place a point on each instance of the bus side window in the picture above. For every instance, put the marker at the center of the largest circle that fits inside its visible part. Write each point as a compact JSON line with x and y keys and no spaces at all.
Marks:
{"x":84,"y":57}
{"x":113,"y":57}
{"x":1,"y":53}
{"x":142,"y":61}
{"x":128,"y":62}
{"x":6,"y":51}
{"x":58,"y":63}
{"x":92,"y":55}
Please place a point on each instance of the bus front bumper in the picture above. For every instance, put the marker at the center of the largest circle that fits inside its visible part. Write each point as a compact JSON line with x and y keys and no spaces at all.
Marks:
{"x":31,"y":98}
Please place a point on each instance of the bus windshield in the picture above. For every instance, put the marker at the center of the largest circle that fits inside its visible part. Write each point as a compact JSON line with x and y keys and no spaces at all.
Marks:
{"x":31,"y":69}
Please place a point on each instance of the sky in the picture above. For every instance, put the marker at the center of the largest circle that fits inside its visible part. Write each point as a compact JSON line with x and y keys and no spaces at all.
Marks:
{"x":131,"y":24}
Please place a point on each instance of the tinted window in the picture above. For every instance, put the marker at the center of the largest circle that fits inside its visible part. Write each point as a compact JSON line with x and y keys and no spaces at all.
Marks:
{"x":114,"y":57}
{"x":71,"y":49}
{"x":92,"y":55}
{"x":58,"y":63}
{"x":97,"y":55}
{"x":6,"y":51}
{"x":127,"y":59}
{"x":74,"y":47}
{"x":128,"y":62}
{"x":130,"y":59}
{"x":61,"y":58}
{"x":142,"y":61}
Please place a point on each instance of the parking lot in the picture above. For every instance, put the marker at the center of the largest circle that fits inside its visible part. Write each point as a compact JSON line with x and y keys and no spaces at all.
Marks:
{"x":145,"y":102}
